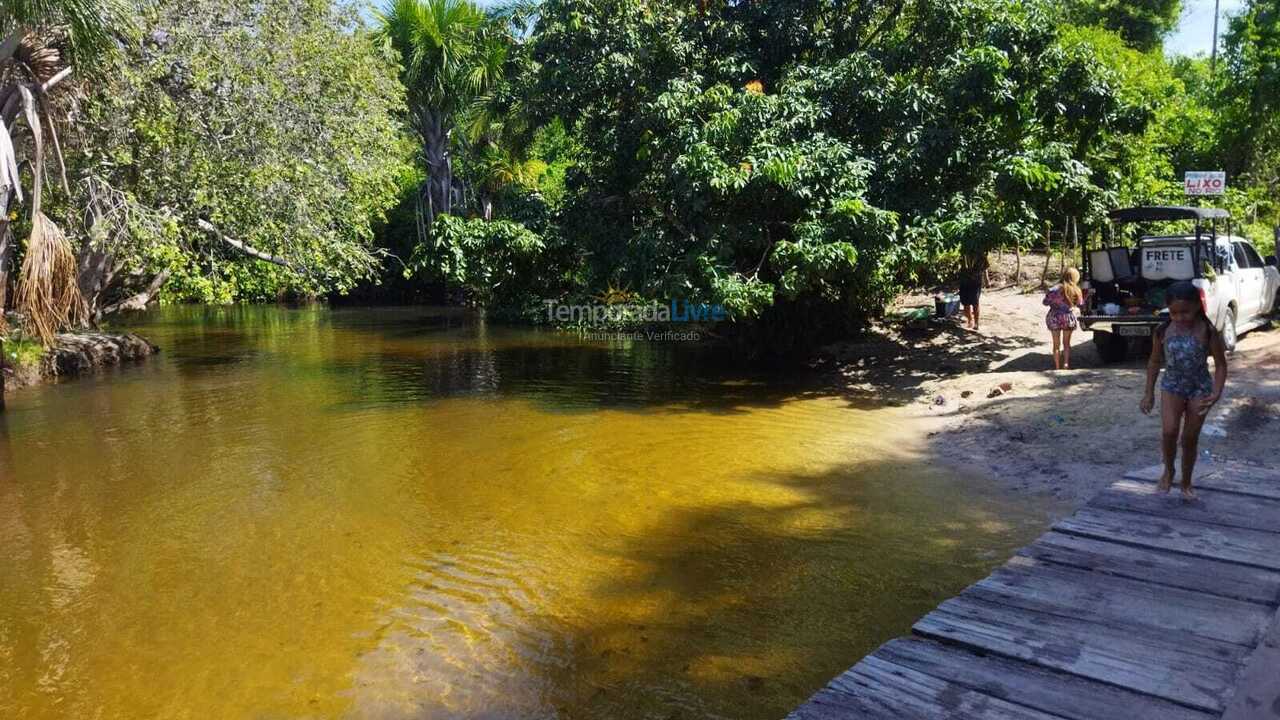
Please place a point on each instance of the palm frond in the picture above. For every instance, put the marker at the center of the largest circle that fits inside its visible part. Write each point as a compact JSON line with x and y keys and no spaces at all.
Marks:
{"x":93,"y":25}
{"x":48,"y":296}
{"x":39,"y":56}
{"x":437,"y":41}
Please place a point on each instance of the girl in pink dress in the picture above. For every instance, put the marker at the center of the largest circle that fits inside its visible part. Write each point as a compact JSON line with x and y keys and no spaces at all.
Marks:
{"x":1063,"y":301}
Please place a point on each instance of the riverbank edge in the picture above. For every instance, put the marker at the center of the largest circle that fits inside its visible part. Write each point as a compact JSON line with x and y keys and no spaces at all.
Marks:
{"x":990,"y":403}
{"x":75,"y":354}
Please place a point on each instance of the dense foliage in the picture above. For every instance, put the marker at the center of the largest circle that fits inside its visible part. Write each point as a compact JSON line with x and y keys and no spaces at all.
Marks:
{"x":798,"y":163}
{"x":272,"y":125}
{"x":1251,"y":95}
{"x":1142,"y":23}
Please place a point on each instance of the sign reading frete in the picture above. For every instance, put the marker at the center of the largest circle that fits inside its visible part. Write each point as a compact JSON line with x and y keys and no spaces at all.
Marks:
{"x":1206,"y":183}
{"x":1161,"y":263}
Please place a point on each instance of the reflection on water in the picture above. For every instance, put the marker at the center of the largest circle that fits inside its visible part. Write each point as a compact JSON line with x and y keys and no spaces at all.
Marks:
{"x":410,"y":514}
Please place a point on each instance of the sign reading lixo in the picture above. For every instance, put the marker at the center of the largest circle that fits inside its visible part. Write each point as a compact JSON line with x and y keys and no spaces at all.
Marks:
{"x":1212,"y":182}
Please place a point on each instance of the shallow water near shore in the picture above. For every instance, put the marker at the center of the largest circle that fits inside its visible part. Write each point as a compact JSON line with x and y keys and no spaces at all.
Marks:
{"x":411,"y":513}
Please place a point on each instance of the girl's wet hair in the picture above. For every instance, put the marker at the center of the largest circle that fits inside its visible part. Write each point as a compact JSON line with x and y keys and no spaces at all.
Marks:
{"x":1185,"y":291}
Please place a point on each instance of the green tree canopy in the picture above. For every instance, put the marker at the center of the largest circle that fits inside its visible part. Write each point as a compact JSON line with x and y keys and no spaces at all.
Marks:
{"x":451,"y":53}
{"x":1251,"y":94}
{"x":235,"y":134}
{"x":803,"y":186}
{"x":1142,"y":23}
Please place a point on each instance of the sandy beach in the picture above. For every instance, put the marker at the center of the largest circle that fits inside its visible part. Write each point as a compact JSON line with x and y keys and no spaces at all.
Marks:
{"x":990,"y":401}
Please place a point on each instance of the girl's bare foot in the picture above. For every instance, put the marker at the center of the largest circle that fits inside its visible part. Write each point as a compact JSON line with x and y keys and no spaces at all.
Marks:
{"x":1188,"y":493}
{"x":1166,"y":481}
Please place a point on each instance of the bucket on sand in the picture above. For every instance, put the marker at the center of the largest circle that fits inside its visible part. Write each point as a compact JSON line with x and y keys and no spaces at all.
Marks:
{"x":946,"y":305}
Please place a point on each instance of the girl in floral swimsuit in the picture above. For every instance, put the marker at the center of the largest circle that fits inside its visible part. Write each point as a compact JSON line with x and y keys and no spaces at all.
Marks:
{"x":1062,"y":301}
{"x":1187,"y":392}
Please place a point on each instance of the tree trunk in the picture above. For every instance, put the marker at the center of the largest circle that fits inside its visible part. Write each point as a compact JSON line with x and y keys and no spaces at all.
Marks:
{"x":435,"y":145}
{"x":1075,"y":240}
{"x":1066,"y":240}
{"x":142,"y":299}
{"x":6,"y":251}
{"x":1048,"y":254}
{"x":96,"y":272}
{"x":1017,"y":266}
{"x":8,"y":113}
{"x":6,"y":261}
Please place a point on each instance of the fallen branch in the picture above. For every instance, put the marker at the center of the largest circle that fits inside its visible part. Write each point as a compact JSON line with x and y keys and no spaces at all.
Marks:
{"x":142,"y":299}
{"x":252,"y":252}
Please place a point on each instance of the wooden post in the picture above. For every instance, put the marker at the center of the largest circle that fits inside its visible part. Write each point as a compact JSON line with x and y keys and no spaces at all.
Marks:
{"x":1017,"y":268}
{"x":1066,"y":238}
{"x":1075,"y":237}
{"x":1048,"y":253}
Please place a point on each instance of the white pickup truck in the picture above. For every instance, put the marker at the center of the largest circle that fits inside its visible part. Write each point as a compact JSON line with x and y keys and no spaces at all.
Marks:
{"x":1126,"y":285}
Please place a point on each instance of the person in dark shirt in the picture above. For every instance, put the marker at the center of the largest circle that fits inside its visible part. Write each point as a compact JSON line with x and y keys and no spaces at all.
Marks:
{"x":971,"y":294}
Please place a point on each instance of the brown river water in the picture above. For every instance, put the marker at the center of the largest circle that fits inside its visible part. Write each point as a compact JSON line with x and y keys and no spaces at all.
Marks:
{"x":409,"y":513}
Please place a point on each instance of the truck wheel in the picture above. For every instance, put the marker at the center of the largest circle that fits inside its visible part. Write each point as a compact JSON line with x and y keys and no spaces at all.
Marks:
{"x":1111,"y":347}
{"x":1229,"y":330}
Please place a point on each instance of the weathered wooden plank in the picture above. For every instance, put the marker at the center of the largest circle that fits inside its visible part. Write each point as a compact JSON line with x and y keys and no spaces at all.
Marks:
{"x":1257,"y":695}
{"x":875,"y":689}
{"x":1147,"y":664}
{"x":1204,"y":622}
{"x":1054,"y":692}
{"x":1138,"y":606}
{"x":1248,"y":469}
{"x":1215,"y":577}
{"x":1226,"y":476}
{"x":1215,"y":507}
{"x":1237,"y":545}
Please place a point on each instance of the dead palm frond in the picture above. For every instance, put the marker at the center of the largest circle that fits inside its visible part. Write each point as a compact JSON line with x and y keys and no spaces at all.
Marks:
{"x":93,"y":26}
{"x":38,"y":36}
{"x":48,"y":296}
{"x":39,"y":56}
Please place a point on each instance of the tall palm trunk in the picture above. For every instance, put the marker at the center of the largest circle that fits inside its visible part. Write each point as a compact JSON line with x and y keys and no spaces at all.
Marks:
{"x":435,"y":143}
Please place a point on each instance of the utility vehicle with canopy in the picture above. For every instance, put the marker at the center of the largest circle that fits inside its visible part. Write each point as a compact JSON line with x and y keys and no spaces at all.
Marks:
{"x":1126,"y":278}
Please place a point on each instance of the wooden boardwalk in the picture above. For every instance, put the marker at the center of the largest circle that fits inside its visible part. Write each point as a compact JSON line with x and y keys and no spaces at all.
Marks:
{"x":1138,"y":606}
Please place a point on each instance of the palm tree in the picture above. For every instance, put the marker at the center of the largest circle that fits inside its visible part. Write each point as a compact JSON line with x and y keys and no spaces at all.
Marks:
{"x":450,"y":54}
{"x":31,"y":66}
{"x":498,"y":165}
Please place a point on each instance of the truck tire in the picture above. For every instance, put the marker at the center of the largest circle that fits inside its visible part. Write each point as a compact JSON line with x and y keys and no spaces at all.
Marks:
{"x":1229,"y":337}
{"x":1111,"y":347}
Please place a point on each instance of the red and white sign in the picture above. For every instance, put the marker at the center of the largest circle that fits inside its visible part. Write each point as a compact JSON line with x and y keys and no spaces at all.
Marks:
{"x":1206,"y":183}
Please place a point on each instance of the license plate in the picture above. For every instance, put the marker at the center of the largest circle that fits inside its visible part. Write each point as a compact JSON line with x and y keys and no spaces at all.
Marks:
{"x":1133,"y":330}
